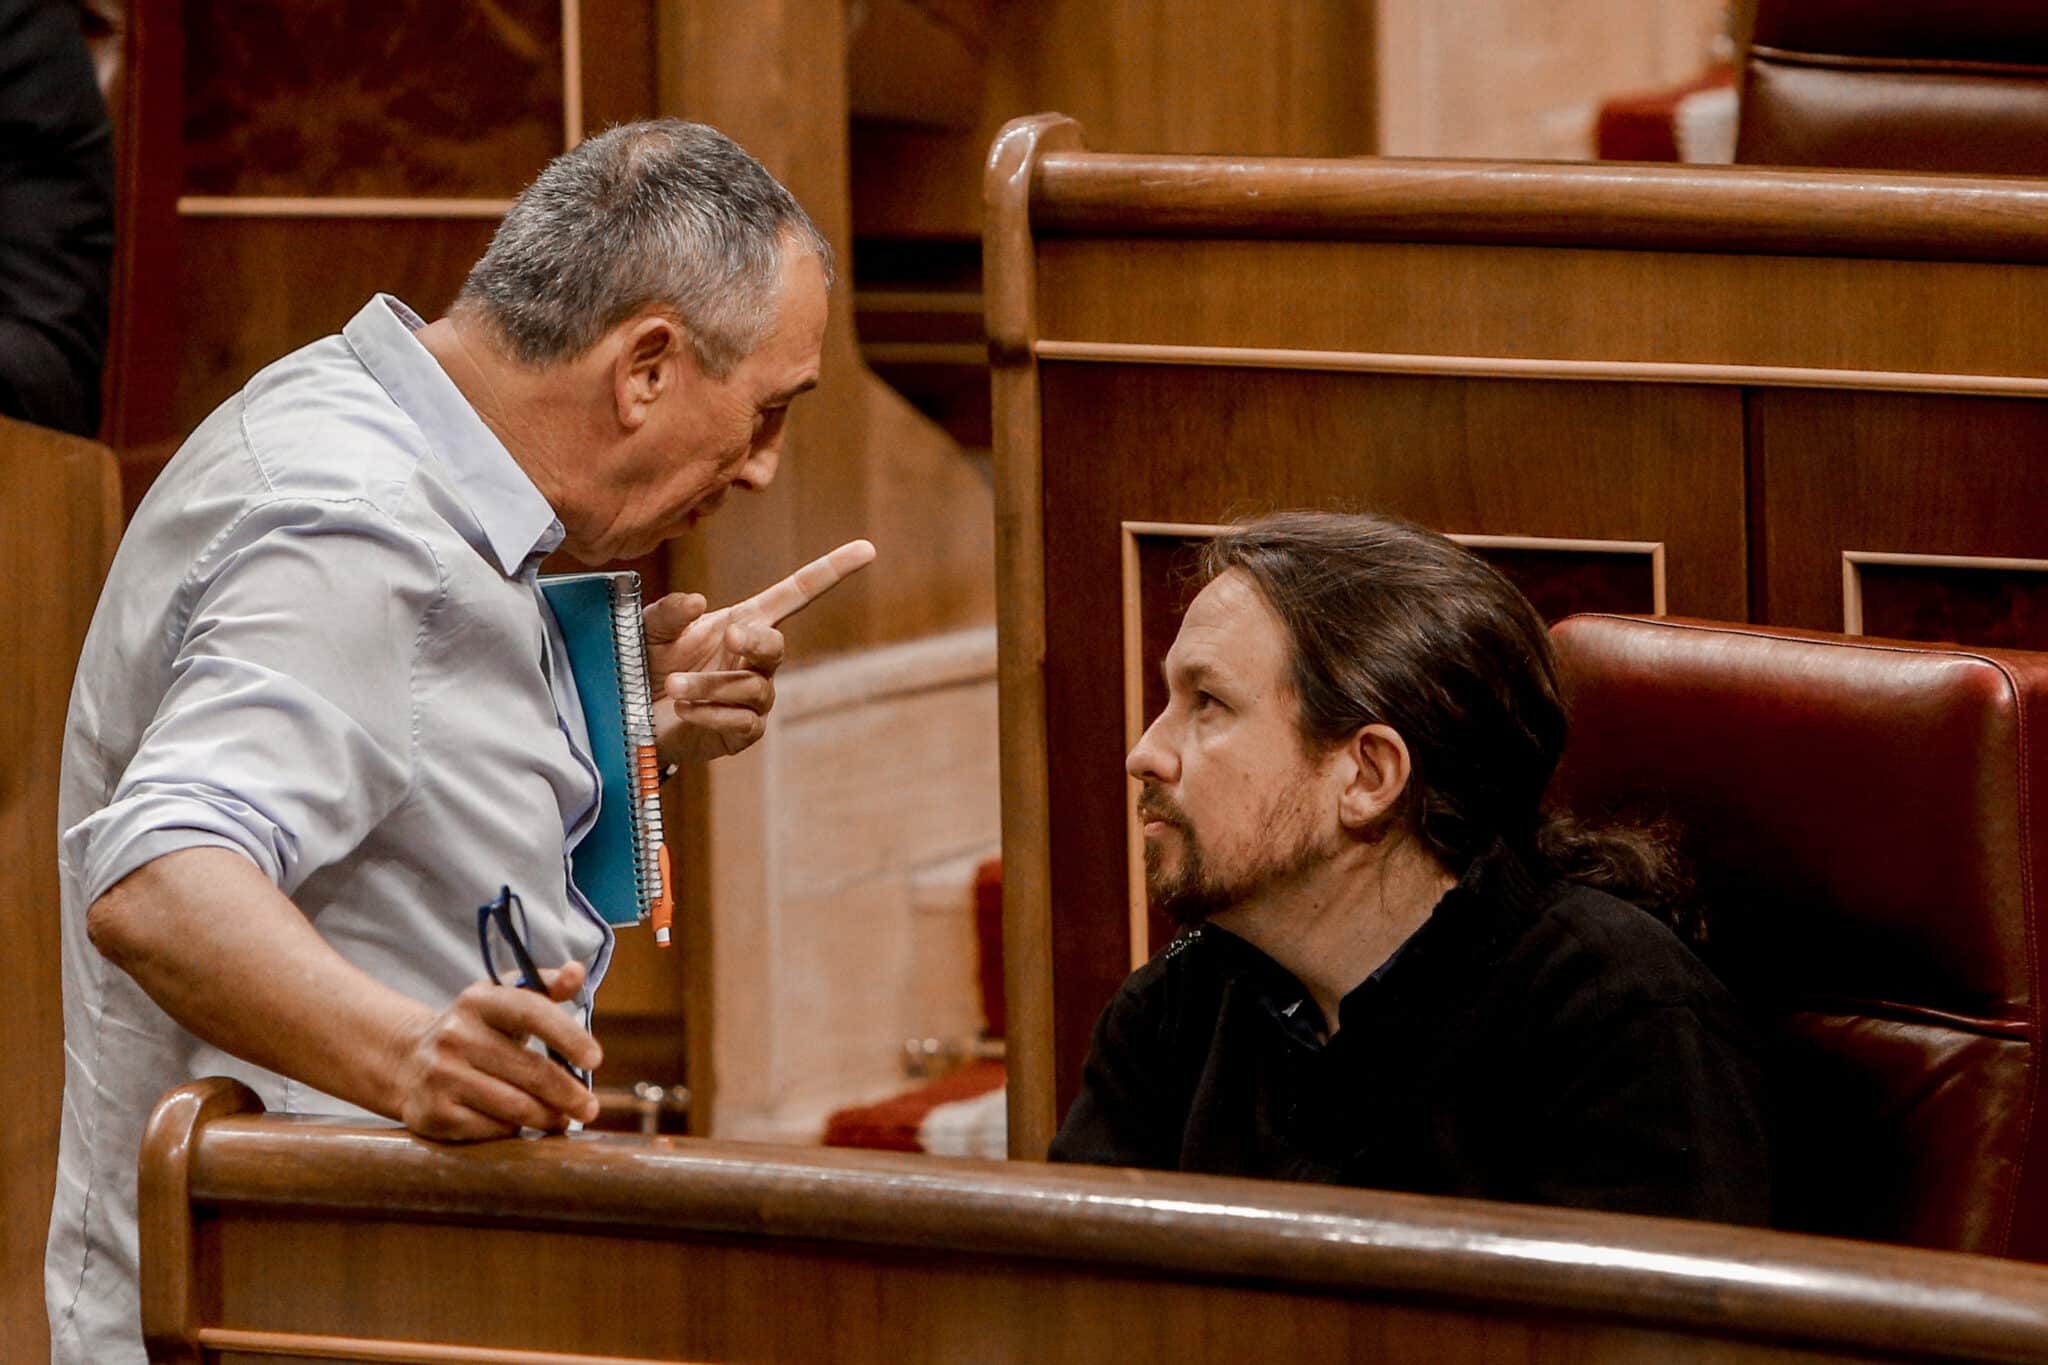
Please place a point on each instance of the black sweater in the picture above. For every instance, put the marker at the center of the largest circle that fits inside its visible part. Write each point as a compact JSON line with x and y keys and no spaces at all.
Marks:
{"x":1546,"y":1045}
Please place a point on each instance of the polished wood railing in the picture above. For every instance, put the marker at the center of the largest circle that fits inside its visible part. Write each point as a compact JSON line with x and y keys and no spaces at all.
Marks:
{"x":1744,"y":209}
{"x":275,"y":1238}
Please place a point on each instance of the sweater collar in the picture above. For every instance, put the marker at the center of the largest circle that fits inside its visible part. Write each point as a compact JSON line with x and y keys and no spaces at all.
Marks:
{"x":1472,"y":923}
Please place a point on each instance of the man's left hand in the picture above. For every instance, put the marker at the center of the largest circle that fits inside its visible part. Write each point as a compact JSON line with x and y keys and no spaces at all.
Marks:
{"x":715,"y":670}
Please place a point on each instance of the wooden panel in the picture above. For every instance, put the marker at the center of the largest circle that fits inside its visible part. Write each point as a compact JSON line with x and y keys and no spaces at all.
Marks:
{"x":417,"y":113}
{"x":1960,"y":599}
{"x":650,"y":1249}
{"x":229,"y":333}
{"x":1293,"y":77}
{"x":59,"y":518}
{"x":1570,"y":577}
{"x":1939,"y":317}
{"x":716,"y":1299}
{"x":916,"y":183}
{"x":1594,"y":461}
{"x":920,"y":62}
{"x":1285,"y":77}
{"x":618,"y":62}
{"x":1613,"y":462}
{"x":142,"y":334}
{"x":1894,"y":474}
{"x":370,"y":97}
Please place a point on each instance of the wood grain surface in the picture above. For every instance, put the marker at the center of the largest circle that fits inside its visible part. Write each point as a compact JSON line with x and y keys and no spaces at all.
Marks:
{"x":58,"y":526}
{"x":667,"y":1249}
{"x":1663,"y":208}
{"x":371,"y":97}
{"x":1012,"y":294}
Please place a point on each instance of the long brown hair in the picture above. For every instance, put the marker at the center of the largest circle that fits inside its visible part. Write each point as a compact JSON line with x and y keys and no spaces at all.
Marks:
{"x":1390,"y":623}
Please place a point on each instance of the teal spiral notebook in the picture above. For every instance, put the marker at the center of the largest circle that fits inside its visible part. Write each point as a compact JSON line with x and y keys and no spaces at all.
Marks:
{"x":621,"y":864}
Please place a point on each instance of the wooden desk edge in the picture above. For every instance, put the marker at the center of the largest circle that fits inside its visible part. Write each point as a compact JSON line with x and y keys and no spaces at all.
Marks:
{"x":1613,"y":204}
{"x":1732,"y":1282}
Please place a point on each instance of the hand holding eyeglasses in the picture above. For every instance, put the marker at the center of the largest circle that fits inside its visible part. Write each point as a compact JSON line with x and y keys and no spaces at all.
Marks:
{"x":469,"y":1074}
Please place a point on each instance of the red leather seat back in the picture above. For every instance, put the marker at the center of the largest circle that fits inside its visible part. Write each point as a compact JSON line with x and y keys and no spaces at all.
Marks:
{"x":1866,"y":823}
{"x":1959,"y":87}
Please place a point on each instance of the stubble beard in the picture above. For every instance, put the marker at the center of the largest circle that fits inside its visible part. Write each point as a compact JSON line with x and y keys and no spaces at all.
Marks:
{"x":1189,"y":892}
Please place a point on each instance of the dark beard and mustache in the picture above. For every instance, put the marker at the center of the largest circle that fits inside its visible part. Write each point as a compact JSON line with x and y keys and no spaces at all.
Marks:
{"x":1190,"y":894}
{"x":1187,"y":896}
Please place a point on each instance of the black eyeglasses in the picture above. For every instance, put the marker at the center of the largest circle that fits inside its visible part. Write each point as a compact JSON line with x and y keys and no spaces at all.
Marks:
{"x":502,"y":936}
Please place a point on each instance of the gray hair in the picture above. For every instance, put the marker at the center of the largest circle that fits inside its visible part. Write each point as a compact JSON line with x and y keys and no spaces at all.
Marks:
{"x":663,"y":214}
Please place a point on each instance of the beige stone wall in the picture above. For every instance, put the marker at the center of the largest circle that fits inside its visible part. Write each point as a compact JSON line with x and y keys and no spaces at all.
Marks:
{"x":1524,"y":78}
{"x":843,"y":923}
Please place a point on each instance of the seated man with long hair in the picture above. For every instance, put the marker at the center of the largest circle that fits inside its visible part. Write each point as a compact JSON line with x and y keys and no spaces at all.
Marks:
{"x":1397,"y":969}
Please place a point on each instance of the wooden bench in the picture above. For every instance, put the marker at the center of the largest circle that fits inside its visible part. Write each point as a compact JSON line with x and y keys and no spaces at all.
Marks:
{"x":276,"y":1239}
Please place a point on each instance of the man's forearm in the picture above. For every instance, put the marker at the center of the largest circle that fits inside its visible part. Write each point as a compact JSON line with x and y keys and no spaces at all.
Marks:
{"x":228,"y":956}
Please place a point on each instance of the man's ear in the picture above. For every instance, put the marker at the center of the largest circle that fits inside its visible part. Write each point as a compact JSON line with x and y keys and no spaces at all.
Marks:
{"x":1377,"y":771}
{"x":651,"y":356}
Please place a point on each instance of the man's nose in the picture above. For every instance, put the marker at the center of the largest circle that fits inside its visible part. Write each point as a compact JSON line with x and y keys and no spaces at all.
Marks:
{"x":758,"y":471}
{"x":1151,"y":759}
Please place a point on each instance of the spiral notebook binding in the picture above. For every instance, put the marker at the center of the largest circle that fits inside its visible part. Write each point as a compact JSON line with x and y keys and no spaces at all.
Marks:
{"x":636,"y":699}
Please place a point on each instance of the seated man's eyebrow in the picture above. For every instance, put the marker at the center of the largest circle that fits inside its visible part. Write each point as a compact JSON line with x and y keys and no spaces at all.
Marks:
{"x":789,"y":394}
{"x":1193,"y":674}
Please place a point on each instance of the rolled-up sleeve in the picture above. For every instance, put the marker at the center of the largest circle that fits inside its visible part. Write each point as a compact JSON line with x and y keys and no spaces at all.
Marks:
{"x":289,"y":727}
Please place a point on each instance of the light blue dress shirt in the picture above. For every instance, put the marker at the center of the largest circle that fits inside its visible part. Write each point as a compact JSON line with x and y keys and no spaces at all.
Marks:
{"x":322,"y":646}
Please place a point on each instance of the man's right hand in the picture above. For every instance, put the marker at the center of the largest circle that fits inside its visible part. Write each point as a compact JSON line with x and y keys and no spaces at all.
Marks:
{"x":715,"y":670}
{"x":469,"y":1074}
{"x":224,"y":953}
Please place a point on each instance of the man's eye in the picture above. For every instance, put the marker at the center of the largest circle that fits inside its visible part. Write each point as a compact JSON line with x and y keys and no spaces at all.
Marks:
{"x":1205,"y":701}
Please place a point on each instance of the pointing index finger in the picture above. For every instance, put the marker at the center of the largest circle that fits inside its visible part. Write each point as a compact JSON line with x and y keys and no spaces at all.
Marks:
{"x":808,"y":584}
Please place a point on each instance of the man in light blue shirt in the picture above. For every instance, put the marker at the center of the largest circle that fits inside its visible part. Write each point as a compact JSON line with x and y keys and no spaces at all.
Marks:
{"x":322,"y":714}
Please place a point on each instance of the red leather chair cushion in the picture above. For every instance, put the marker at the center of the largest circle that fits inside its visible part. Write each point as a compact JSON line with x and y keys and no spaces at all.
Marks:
{"x":1958,"y":87}
{"x":1643,"y":126}
{"x":1865,"y":821}
{"x":896,"y":1124}
{"x":988,"y":938}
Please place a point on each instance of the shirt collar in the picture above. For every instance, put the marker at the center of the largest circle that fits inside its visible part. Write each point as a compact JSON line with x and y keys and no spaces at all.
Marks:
{"x":516,"y":520}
